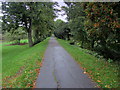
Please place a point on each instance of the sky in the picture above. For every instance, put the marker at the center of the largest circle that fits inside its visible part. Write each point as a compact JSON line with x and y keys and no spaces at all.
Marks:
{"x":1,"y":9}
{"x":60,"y":16}
{"x":1,"y":12}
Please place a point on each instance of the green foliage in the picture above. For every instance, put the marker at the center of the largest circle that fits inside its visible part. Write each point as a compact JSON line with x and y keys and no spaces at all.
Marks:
{"x":76,"y":17}
{"x":95,"y":26}
{"x":33,"y":16}
{"x":61,"y":29}
{"x":15,"y":35}
{"x":104,"y":25}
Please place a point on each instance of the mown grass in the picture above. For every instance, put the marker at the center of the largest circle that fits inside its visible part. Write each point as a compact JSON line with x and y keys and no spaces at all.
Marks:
{"x":101,"y":71}
{"x":20,"y":64}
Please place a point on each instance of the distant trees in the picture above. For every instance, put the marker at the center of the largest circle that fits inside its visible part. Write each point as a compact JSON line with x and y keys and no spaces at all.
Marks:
{"x":62,"y":30}
{"x":104,"y":24}
{"x":33,"y":16}
{"x":95,"y":26}
{"x":16,"y":35}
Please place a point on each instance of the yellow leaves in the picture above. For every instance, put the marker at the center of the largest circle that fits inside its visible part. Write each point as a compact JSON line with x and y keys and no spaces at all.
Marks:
{"x":37,"y":70}
{"x":30,"y":72}
{"x":89,"y":15}
{"x":29,"y":85}
{"x":96,"y":25}
{"x":102,"y":20}
{"x":11,"y":86}
{"x":111,"y":12}
{"x":118,"y":26}
{"x":40,"y":64}
{"x":107,"y":86}
{"x":98,"y":81}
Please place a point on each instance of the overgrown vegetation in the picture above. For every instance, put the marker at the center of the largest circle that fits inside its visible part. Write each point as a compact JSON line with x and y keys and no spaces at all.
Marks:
{"x":94,"y":26}
{"x":21,"y":64}
{"x":15,"y":36}
{"x":105,"y":73}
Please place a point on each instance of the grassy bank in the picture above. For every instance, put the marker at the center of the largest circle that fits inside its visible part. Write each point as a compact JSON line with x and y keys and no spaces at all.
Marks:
{"x":20,"y":64}
{"x":101,"y":71}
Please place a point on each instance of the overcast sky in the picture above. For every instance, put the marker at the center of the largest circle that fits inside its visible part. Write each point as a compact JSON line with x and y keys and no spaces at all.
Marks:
{"x":1,"y":9}
{"x":60,"y":16}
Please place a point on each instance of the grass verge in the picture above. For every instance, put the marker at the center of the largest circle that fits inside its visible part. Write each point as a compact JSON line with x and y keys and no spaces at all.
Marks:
{"x":21,"y":64}
{"x":101,"y":71}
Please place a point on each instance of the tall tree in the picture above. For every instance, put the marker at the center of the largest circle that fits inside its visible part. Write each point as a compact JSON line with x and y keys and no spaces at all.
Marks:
{"x":31,"y":15}
{"x":97,"y":23}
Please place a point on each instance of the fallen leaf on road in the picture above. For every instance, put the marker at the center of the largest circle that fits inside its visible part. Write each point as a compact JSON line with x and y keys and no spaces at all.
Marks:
{"x":98,"y":81}
{"x":107,"y":86}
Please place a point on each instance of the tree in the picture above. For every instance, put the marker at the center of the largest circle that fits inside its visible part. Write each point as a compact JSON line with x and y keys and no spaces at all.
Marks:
{"x":76,"y":17}
{"x":62,"y":30}
{"x":104,"y":24}
{"x":31,"y":15}
{"x":97,"y":24}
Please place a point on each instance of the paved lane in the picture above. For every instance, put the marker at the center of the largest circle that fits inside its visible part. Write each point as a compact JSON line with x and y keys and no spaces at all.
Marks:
{"x":59,"y":70}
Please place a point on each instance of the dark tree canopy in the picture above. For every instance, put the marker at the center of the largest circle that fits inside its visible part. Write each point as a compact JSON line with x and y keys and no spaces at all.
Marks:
{"x":95,"y":26}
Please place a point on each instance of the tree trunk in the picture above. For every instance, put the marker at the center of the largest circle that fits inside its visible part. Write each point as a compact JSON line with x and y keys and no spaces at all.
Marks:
{"x":68,"y":36}
{"x":92,"y":44}
{"x":29,"y":32}
{"x":18,"y":42}
{"x":103,"y":43}
{"x":82,"y":43}
{"x":36,"y":36}
{"x":30,"y":38}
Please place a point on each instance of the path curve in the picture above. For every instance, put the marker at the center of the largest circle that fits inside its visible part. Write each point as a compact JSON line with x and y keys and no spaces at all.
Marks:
{"x":60,"y":70}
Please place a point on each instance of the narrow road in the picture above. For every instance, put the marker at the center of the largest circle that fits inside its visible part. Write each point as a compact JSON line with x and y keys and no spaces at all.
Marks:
{"x":60,"y":70}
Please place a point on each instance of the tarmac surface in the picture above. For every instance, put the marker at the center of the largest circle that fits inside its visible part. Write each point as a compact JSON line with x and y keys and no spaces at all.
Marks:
{"x":60,"y":70}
